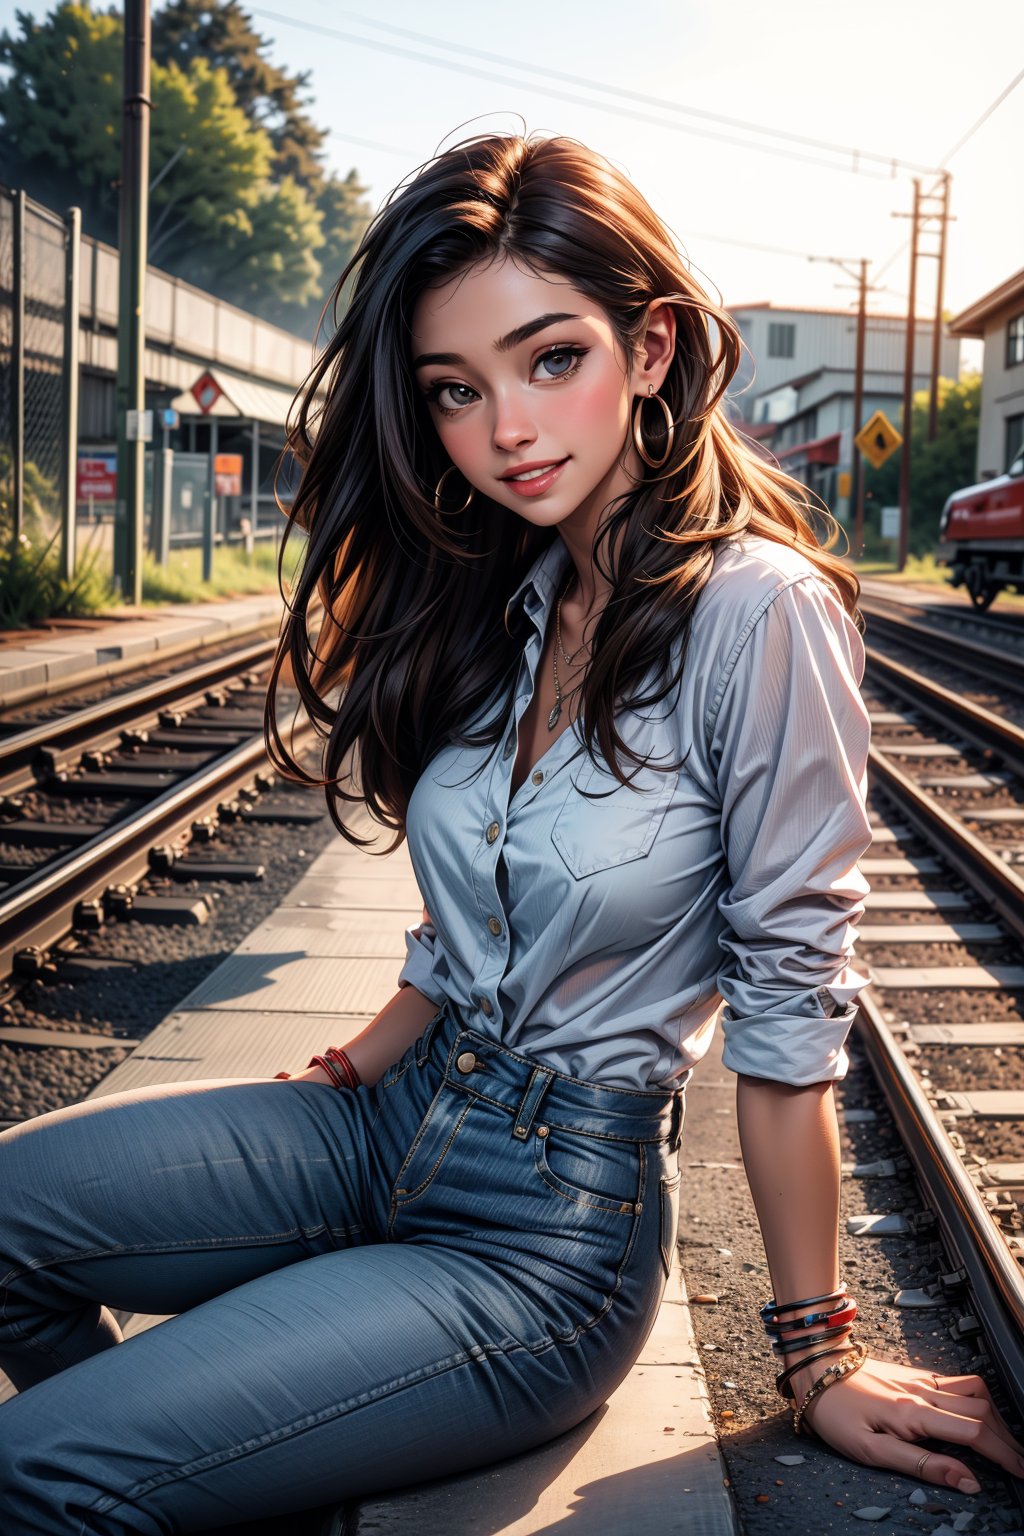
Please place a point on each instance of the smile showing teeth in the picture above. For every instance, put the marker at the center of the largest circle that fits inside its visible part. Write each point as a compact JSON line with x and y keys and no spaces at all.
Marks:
{"x":532,"y":474}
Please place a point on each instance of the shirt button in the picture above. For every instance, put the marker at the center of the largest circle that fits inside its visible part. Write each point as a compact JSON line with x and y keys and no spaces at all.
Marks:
{"x":486,"y":1006}
{"x":492,"y":831}
{"x":494,"y":925}
{"x":538,"y":778}
{"x":466,"y":1061}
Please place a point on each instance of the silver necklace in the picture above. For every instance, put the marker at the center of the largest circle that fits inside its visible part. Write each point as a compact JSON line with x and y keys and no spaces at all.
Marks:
{"x":557,"y":710}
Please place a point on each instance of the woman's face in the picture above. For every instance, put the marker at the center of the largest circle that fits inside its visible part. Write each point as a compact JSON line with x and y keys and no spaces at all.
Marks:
{"x":522,"y":372}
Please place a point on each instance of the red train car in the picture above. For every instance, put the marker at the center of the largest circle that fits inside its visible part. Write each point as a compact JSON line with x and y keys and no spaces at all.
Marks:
{"x":981,"y":536}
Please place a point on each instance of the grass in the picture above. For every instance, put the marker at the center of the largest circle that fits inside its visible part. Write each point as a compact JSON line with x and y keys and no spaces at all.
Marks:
{"x":923,"y":570}
{"x":235,"y":574}
{"x":918,"y":568}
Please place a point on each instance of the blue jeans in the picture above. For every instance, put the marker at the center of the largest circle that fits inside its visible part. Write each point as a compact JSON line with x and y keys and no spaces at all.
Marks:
{"x":370,"y":1289}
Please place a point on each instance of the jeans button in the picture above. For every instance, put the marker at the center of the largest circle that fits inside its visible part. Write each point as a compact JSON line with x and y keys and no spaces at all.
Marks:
{"x":466,"y":1061}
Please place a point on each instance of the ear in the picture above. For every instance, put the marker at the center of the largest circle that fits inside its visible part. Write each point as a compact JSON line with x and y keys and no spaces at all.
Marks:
{"x":657,"y":347}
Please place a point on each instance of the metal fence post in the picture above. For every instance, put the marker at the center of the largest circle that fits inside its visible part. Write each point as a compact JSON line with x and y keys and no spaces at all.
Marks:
{"x":69,"y":402}
{"x":18,"y":364}
{"x":210,"y":506}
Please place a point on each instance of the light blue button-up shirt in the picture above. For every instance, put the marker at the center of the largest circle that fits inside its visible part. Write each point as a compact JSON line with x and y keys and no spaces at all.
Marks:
{"x":605,"y":938}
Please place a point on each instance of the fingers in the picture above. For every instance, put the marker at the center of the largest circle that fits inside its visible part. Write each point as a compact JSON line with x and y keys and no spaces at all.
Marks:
{"x":970,"y":1407}
{"x":912,"y":1460}
{"x":961,"y":1428}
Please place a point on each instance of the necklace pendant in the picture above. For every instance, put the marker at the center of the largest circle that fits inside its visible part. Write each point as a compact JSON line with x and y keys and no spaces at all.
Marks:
{"x":553,"y":716}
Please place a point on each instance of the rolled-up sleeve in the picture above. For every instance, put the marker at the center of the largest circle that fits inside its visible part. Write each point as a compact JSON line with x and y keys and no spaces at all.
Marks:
{"x":789,"y":735}
{"x":418,"y":970}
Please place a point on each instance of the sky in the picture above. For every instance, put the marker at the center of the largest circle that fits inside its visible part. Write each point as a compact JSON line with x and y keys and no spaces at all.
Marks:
{"x":885,"y":78}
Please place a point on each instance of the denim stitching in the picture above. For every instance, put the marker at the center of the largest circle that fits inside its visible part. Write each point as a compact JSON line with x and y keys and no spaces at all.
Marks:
{"x":410,"y":1196}
{"x":571,"y":1338}
{"x":511,"y":1109}
{"x":198,"y":1244}
{"x":429,"y":1373}
{"x":567,"y":1191}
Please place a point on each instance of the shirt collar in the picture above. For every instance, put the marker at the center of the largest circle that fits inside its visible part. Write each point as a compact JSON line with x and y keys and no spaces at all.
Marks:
{"x":537,"y":588}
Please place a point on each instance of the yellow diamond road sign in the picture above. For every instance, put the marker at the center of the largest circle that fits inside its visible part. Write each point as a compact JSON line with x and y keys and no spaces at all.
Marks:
{"x":878,"y":439}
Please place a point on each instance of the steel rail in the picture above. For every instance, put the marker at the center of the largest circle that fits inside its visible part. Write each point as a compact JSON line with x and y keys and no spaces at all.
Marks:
{"x":975,"y":1242}
{"x":96,"y":722}
{"x":105,"y":671}
{"x":985,"y":661}
{"x":41,"y":909}
{"x":994,"y":880}
{"x":982,"y":727}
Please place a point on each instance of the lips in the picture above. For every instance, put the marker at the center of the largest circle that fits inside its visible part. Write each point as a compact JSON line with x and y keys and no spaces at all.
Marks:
{"x":522,"y":469}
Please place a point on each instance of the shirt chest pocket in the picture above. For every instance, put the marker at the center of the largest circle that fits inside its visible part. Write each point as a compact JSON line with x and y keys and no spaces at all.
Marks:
{"x":618,"y":826}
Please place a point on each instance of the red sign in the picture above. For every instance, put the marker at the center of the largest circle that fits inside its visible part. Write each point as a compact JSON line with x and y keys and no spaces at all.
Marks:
{"x":97,"y":478}
{"x":207,"y":392}
{"x":227,"y":474}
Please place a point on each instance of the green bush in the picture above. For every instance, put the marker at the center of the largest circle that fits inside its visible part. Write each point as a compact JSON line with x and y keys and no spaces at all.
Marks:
{"x":31,"y":586}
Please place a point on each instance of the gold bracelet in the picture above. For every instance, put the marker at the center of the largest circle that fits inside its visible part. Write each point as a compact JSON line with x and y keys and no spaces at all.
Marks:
{"x":845,"y":1367}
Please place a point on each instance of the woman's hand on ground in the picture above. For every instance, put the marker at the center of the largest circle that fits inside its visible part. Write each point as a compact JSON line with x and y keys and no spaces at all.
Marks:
{"x":879,"y":1413}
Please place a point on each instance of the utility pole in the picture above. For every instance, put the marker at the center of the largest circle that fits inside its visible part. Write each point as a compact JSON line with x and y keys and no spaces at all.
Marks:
{"x":131,"y":333}
{"x":857,"y":483}
{"x":908,"y":384}
{"x":920,"y":218}
{"x":933,"y":399}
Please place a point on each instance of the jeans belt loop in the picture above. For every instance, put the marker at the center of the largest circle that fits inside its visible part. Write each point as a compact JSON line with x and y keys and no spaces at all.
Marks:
{"x":541,"y":1079}
{"x":427,"y":1037}
{"x":676,"y":1134}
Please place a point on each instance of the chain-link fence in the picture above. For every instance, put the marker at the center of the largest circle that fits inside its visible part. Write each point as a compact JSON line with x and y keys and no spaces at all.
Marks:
{"x":35,"y":399}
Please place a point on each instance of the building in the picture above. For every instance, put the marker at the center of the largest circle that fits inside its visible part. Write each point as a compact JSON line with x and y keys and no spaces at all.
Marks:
{"x":998,"y":319}
{"x":793,"y":394}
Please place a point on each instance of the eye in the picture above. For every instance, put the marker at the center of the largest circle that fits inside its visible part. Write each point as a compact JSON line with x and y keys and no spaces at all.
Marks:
{"x":434,"y":393}
{"x":564,"y":360}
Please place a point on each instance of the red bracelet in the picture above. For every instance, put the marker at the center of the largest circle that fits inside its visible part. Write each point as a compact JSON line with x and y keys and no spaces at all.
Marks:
{"x":281,"y":1074}
{"x":344,"y":1065}
{"x":338,"y":1068}
{"x":794,"y":1328}
{"x":332,"y":1072}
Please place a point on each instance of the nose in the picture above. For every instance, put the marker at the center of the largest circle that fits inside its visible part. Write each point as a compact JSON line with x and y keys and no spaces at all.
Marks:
{"x":513,"y":426}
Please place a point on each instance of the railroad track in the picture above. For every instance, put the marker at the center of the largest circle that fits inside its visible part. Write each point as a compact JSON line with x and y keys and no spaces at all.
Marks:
{"x":158,"y":765}
{"x":943,"y":1024}
{"x":115,"y":671}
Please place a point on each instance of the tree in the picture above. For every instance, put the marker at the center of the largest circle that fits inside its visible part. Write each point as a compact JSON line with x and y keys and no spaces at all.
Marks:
{"x":239,"y":200}
{"x":271,"y":98}
{"x":59,"y":111}
{"x":937,"y":468}
{"x":277,"y":102}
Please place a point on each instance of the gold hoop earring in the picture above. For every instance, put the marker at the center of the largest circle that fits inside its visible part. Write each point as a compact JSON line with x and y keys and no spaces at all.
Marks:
{"x":437,"y":495}
{"x":638,"y":434}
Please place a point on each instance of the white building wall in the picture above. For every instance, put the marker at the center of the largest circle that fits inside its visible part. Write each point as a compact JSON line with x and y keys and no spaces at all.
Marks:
{"x":824,"y":340}
{"x":1002,"y":394}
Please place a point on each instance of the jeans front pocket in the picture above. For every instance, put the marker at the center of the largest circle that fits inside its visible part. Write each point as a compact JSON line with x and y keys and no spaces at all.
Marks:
{"x":588,"y":1170}
{"x":669,"y":1217}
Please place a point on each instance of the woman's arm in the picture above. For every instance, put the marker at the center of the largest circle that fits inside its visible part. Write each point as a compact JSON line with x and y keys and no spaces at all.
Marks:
{"x":396,"y":1026}
{"x":382,"y":1042}
{"x":790,"y":1143}
{"x":789,"y":1138}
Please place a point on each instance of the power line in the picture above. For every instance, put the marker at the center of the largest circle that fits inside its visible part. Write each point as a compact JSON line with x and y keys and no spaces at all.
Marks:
{"x":947,"y":157}
{"x":621,"y":92}
{"x":983,"y":118}
{"x":617,"y":111}
{"x":387,"y":149}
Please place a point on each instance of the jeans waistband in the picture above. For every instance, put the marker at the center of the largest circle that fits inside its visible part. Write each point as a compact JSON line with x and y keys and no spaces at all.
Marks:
{"x":532,"y":1092}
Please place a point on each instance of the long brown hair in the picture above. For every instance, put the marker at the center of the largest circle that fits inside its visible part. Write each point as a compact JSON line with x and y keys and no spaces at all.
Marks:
{"x":411,"y":642}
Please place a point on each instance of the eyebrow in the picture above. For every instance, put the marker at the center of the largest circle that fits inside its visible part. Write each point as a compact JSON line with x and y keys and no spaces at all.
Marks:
{"x":503,"y":344}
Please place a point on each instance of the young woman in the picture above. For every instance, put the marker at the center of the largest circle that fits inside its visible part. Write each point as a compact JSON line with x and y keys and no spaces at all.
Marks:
{"x":584,"y":647}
